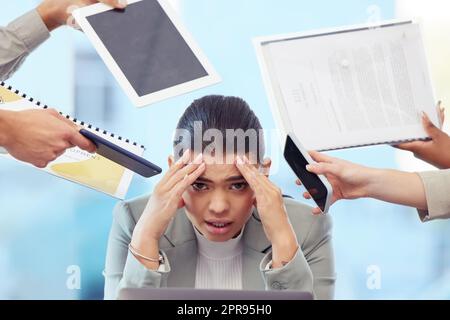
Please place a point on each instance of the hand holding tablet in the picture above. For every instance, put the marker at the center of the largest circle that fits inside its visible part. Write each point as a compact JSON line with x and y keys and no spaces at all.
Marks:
{"x":148,"y":50}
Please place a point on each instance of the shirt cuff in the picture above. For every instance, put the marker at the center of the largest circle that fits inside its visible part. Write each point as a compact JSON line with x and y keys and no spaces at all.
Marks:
{"x":436,"y":186}
{"x":163,"y":268}
{"x":269,"y":263}
{"x":30,"y":29}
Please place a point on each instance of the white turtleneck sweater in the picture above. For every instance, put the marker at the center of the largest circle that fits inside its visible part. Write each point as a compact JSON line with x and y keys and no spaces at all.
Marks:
{"x":219,"y":264}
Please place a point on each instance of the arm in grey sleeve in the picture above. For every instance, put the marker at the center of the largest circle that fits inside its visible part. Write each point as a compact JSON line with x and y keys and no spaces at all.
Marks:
{"x":122,"y":269}
{"x":295,"y":275}
{"x":311,"y":269}
{"x":437,"y":192}
{"x":18,"y":39}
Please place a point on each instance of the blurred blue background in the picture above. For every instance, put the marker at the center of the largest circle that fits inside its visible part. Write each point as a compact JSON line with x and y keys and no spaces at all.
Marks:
{"x":49,"y":226}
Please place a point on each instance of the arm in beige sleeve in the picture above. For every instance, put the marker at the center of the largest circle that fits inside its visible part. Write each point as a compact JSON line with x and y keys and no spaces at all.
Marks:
{"x":437,"y":192}
{"x":18,"y":40}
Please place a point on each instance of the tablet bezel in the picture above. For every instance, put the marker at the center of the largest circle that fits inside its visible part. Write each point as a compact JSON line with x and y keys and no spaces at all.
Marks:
{"x":213,"y":77}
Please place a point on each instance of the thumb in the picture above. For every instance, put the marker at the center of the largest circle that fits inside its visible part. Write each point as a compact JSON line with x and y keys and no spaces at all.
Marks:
{"x":80,"y":141}
{"x":181,"y":203}
{"x":429,"y":127}
{"x":119,"y":4}
{"x":321,"y":157}
{"x":62,"y":118}
{"x":409,"y":146}
{"x":322,"y":168}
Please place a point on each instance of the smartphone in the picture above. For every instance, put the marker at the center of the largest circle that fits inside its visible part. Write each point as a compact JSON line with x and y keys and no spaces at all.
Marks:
{"x":122,"y":156}
{"x":317,"y":185}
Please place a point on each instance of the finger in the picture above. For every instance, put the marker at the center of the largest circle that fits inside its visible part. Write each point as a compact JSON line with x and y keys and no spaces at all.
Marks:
{"x":259,"y":182}
{"x":298,"y":182}
{"x":119,"y":4}
{"x":317,"y":211}
{"x":409,"y":146}
{"x":441,"y":112}
{"x":60,"y":153}
{"x":180,"y":174}
{"x":429,"y":127}
{"x":188,"y":180}
{"x":261,"y":178}
{"x":306,"y":195}
{"x":320,"y":157}
{"x":176,"y":167}
{"x":322,"y":168}
{"x":248,"y":175}
{"x":41,"y":164}
{"x":181,"y":203}
{"x":64,"y":119}
{"x":265,"y":166}
{"x":78,"y":140}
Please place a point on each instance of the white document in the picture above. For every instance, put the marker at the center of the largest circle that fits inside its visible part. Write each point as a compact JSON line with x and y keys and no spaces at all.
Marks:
{"x":349,"y":87}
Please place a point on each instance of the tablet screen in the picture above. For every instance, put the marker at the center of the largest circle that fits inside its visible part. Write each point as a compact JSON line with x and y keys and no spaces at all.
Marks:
{"x":147,"y":47}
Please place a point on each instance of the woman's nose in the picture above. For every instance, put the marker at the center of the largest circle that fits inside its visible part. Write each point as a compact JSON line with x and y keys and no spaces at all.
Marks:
{"x":219,"y":203}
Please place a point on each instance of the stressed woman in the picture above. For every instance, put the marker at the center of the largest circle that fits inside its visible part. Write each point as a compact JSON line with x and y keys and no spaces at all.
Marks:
{"x":215,"y":220}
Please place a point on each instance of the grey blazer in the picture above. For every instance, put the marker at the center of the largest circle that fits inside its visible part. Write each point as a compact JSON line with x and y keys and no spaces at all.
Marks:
{"x":18,"y":39}
{"x":437,"y":191}
{"x":311,"y":270}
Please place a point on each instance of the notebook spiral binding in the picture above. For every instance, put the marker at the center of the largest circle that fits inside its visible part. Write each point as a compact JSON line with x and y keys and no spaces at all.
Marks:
{"x":75,"y":120}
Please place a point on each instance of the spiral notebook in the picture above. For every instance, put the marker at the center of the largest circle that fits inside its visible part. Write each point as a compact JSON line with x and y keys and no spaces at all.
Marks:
{"x":349,"y":87}
{"x":76,"y":165}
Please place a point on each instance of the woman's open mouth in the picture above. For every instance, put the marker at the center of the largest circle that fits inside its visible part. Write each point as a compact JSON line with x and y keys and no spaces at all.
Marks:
{"x":218,"y":227}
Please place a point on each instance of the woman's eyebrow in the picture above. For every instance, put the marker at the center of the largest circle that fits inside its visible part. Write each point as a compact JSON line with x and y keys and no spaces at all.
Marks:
{"x":229,"y":179}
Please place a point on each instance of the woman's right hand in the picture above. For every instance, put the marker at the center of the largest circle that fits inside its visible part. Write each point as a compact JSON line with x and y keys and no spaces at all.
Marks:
{"x":164,"y":203}
{"x":349,"y":180}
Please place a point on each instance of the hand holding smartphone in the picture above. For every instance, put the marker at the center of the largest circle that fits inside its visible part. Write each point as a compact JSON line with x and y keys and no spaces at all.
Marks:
{"x":317,"y":185}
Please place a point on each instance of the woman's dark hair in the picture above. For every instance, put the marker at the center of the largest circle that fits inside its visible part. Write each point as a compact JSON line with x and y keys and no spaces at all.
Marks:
{"x":215,"y":117}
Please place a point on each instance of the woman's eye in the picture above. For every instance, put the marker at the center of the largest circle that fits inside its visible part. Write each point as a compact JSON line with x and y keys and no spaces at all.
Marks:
{"x":199,"y":186}
{"x":239,"y":186}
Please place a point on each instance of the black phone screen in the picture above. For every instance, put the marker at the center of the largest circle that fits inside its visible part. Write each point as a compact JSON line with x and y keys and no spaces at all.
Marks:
{"x":311,"y":181}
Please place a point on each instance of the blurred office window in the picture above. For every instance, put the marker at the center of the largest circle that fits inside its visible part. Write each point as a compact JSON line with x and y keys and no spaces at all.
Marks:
{"x":93,"y":89}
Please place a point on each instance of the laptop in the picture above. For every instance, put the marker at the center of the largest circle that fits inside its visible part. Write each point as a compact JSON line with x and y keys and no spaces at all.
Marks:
{"x":209,"y":294}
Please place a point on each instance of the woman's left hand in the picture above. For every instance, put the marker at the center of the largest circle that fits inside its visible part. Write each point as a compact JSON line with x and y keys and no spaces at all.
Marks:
{"x":435,"y":151}
{"x":271,"y":209}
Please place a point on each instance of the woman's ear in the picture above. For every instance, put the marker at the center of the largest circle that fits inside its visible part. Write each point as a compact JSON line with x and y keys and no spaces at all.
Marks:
{"x":170,"y":160}
{"x":265,"y":166}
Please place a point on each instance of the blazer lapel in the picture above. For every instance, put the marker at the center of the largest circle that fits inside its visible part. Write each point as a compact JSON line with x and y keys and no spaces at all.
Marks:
{"x":180,"y":245}
{"x":256,"y":246}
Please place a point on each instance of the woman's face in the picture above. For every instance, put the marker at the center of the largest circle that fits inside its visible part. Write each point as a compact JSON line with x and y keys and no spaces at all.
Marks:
{"x":220,"y":202}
